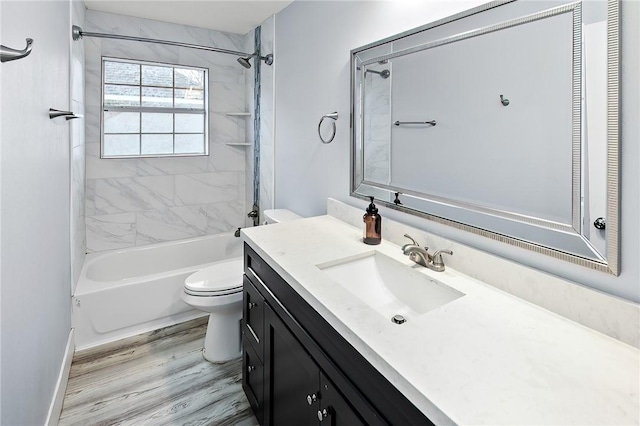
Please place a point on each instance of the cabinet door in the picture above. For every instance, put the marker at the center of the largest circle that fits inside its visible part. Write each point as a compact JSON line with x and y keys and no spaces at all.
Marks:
{"x":334,"y":410}
{"x":293,"y":377}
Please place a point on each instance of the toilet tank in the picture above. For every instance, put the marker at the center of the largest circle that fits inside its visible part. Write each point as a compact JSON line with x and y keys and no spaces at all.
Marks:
{"x":279,"y":215}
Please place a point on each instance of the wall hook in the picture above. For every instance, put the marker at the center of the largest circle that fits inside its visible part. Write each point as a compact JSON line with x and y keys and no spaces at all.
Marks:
{"x":68,"y":115}
{"x":9,"y":54}
{"x":504,"y":100}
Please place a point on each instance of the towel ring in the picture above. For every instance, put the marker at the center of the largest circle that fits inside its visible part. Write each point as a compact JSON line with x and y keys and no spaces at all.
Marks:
{"x":334,"y":117}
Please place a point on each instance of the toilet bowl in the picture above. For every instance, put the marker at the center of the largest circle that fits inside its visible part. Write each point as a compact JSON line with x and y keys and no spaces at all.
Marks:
{"x":217,"y":289}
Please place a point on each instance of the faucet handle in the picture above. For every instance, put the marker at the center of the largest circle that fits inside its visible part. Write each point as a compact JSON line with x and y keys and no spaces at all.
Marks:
{"x":437,"y":257}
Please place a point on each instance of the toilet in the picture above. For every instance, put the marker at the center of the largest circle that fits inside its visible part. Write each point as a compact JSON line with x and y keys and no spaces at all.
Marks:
{"x":217,"y":290}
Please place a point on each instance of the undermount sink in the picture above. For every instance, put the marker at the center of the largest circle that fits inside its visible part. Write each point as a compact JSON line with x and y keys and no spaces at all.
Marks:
{"x":388,"y":286}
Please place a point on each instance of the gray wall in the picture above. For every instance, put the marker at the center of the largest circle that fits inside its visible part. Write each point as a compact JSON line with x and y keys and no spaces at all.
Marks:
{"x":35,"y":191}
{"x":307,"y":172}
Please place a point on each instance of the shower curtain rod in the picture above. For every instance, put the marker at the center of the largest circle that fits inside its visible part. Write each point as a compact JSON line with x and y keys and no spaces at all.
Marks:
{"x":77,"y":34}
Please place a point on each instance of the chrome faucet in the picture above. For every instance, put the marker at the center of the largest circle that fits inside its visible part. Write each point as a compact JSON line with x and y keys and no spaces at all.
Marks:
{"x":421,"y":256}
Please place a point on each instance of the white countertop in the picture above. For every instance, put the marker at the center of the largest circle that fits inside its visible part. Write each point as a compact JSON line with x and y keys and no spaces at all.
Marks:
{"x":485,"y":358}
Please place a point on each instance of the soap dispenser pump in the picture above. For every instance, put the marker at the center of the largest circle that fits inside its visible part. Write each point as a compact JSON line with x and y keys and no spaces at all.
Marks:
{"x":372,"y":225}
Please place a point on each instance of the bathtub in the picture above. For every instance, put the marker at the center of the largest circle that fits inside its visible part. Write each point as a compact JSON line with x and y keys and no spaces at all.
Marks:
{"x":126,"y":292}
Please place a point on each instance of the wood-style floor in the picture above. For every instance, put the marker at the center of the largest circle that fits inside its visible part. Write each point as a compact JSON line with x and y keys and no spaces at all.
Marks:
{"x":157,"y":378}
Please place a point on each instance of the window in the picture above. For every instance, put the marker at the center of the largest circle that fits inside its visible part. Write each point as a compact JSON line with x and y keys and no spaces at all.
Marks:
{"x":153,"y":110}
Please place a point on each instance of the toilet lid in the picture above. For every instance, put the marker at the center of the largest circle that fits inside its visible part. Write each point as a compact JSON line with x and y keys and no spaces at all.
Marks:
{"x":219,"y":279}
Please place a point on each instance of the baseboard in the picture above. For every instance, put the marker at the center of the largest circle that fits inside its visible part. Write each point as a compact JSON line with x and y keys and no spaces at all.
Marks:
{"x":61,"y":386}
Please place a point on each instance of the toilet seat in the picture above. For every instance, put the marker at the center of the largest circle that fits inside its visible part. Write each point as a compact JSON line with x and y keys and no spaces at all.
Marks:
{"x":220,"y":279}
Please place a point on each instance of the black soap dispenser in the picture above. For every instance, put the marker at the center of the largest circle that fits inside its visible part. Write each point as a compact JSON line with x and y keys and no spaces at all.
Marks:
{"x":372,"y":225}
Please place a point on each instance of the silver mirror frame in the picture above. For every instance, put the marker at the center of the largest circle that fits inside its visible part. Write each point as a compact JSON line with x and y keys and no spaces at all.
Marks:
{"x":611,"y":263}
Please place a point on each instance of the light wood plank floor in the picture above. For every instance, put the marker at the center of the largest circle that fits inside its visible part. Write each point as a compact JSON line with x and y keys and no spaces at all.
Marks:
{"x":157,"y":378}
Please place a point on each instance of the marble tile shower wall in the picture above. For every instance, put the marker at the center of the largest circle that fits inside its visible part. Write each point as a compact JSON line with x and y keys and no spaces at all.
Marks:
{"x":249,"y":45}
{"x":377,"y":127}
{"x":77,"y":227}
{"x":134,"y":202}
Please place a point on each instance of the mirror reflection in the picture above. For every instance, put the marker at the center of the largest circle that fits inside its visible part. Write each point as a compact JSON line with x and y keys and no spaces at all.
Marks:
{"x":498,"y":123}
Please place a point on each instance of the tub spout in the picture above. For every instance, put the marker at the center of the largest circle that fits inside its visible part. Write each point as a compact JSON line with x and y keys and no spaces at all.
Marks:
{"x":237,"y":233}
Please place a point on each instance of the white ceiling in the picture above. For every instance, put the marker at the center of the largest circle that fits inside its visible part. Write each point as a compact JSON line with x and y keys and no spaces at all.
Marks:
{"x":234,"y":16}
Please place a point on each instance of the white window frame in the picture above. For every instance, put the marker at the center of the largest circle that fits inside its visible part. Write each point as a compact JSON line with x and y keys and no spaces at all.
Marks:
{"x":141,"y":109}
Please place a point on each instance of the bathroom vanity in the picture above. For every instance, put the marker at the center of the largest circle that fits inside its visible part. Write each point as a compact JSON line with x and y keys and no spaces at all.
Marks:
{"x":317,"y":350}
{"x":298,"y":370}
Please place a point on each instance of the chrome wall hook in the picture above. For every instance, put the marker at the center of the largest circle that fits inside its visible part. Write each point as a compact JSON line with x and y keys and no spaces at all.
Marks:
{"x":504,"y":100}
{"x":8,"y":54}
{"x":333,"y":116}
{"x":68,"y":115}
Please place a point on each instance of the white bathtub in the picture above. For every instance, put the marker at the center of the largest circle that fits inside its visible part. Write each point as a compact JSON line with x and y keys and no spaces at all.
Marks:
{"x":126,"y":292}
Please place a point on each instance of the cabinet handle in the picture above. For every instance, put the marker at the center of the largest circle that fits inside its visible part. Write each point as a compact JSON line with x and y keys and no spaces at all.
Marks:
{"x":252,"y":305}
{"x":312,"y":398}
{"x":250,"y":368}
{"x":322,"y":414}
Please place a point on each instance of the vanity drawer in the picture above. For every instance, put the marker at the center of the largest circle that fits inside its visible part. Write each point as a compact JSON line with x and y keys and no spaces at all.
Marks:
{"x":256,"y":268}
{"x":253,"y":316}
{"x":253,"y":379}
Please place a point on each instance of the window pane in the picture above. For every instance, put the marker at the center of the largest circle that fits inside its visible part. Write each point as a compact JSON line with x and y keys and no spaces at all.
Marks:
{"x":121,"y":122}
{"x":115,"y":145}
{"x":121,"y":95}
{"x":121,"y":72}
{"x":145,"y":104}
{"x":157,"y":144}
{"x":157,"y":97}
{"x":189,"y":78}
{"x":189,"y":98}
{"x":190,"y":123}
{"x":189,"y":144}
{"x":157,"y":76}
{"x":157,"y":123}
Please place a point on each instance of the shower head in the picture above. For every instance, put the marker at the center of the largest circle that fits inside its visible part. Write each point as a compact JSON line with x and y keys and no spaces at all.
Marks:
{"x":384,"y":73}
{"x":244,"y":61}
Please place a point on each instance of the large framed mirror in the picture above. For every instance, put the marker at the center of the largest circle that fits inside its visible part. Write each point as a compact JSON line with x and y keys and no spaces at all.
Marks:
{"x":501,"y":121}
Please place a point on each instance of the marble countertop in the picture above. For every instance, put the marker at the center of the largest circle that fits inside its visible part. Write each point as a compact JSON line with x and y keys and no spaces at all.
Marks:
{"x":484,"y":358}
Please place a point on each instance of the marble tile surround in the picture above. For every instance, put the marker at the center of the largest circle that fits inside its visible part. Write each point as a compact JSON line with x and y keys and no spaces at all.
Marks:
{"x":249,"y":159}
{"x":132,"y":202}
{"x":610,"y":315}
{"x":377,"y":126}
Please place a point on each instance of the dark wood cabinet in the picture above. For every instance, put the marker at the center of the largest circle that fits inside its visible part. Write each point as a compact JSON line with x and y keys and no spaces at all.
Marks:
{"x":298,"y":370}
{"x":253,"y":379}
{"x":253,"y":316}
{"x":334,"y":410}
{"x":293,"y":376}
